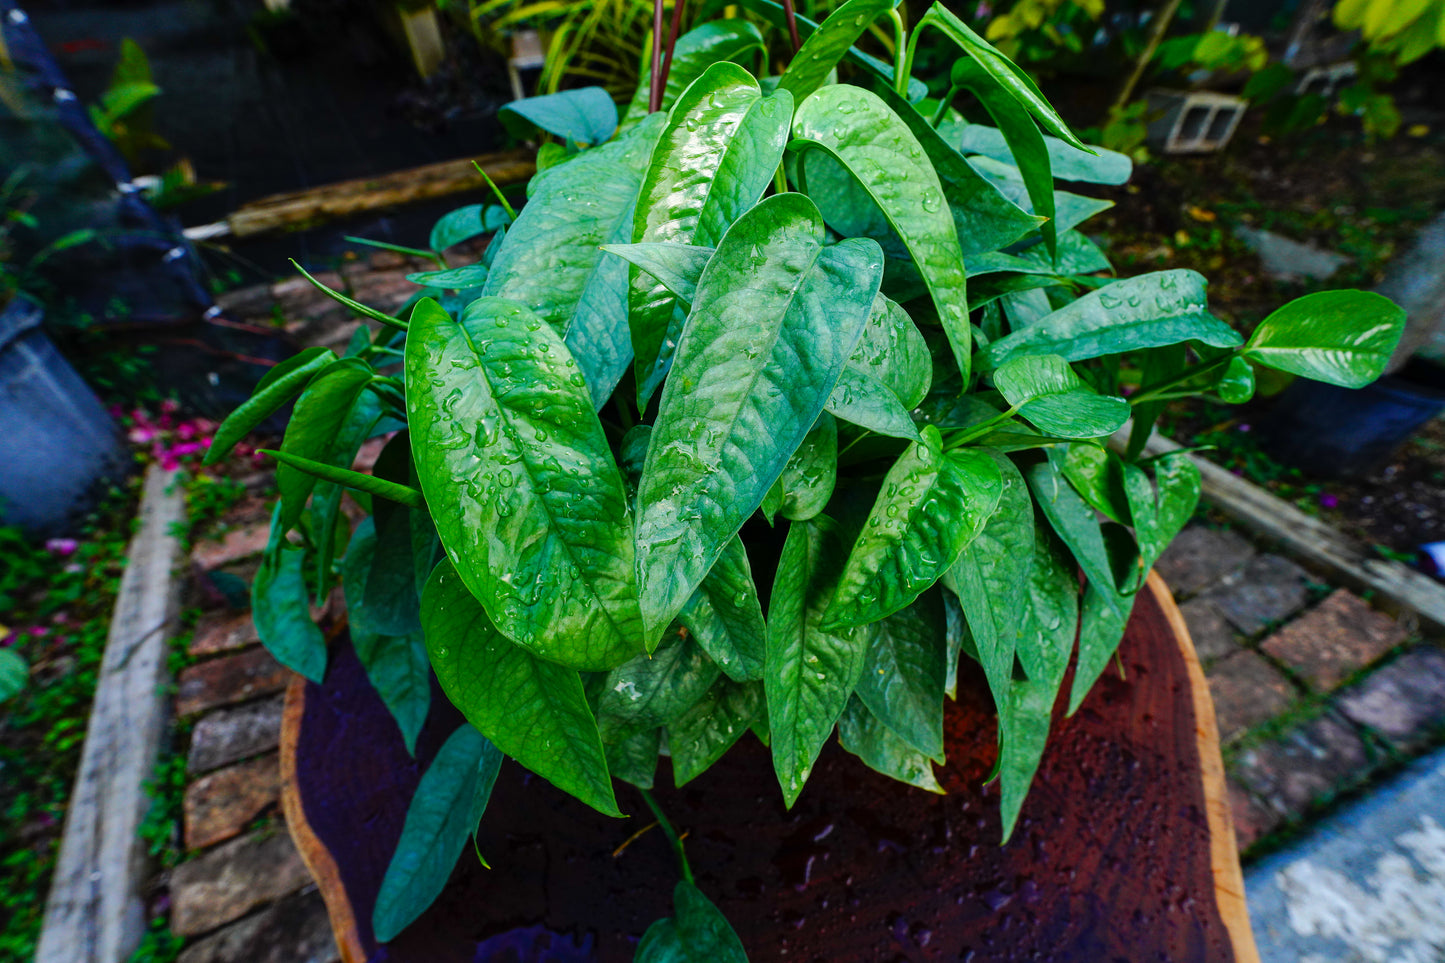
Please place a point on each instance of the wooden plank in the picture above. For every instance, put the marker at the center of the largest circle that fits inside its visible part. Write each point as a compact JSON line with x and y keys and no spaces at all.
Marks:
{"x":95,"y":913}
{"x":1223,"y":846}
{"x":1317,"y":544}
{"x":298,"y":210}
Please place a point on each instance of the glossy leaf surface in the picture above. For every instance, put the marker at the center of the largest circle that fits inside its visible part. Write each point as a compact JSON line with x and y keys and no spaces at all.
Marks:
{"x":699,"y":737}
{"x":533,"y":710}
{"x":810,"y":671}
{"x":1049,"y":394}
{"x":550,"y":259}
{"x":316,"y":421}
{"x":1166,"y":307}
{"x":878,"y":149}
{"x":1067,"y":162}
{"x":828,"y":44}
{"x":778,"y":315}
{"x":725,"y":615}
{"x":808,"y":478}
{"x":501,"y":426}
{"x":449,"y":802}
{"x":465,"y":223}
{"x":584,"y":115}
{"x":653,"y":690}
{"x":903,"y":677}
{"x":459,"y":278}
{"x":695,"y":51}
{"x":280,"y":385}
{"x":717,"y":154}
{"x":1339,"y":337}
{"x":697,"y":932}
{"x":675,"y":266}
{"x":931,"y":505}
{"x":861,"y":733}
{"x":281,"y":608}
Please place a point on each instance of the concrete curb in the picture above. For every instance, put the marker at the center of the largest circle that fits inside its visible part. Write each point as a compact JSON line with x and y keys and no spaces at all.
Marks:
{"x":95,"y":913}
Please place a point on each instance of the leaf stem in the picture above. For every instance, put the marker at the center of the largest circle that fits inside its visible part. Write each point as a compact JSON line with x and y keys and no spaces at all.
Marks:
{"x":902,"y":53}
{"x":672,"y":34}
{"x":1156,"y":391}
{"x":792,"y":25}
{"x":938,"y":115}
{"x":670,"y":833}
{"x":506,"y":205}
{"x":654,"y":91}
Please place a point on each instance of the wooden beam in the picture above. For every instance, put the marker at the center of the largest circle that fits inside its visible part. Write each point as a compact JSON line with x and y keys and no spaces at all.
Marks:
{"x":1314,"y":542}
{"x":95,"y":913}
{"x":298,"y":210}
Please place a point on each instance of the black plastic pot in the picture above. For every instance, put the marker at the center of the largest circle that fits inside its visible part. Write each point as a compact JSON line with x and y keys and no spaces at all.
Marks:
{"x":1333,"y":432}
{"x":58,"y":447}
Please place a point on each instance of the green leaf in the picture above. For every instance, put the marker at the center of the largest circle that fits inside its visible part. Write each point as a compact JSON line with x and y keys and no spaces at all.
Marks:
{"x":725,"y":616}
{"x":653,"y":690}
{"x":1072,"y":519}
{"x":809,"y":670}
{"x":861,"y":733}
{"x":1009,"y":76}
{"x":465,"y":223}
{"x":778,"y":314}
{"x":1024,"y":714}
{"x":675,"y":266}
{"x":395,"y":662}
{"x":827,"y":45}
{"x":886,"y":159}
{"x":985,"y":218}
{"x":1236,"y":385}
{"x":808,"y":478}
{"x":1097,"y":474}
{"x":329,"y":528}
{"x":1068,"y":163}
{"x":501,"y":426}
{"x":533,"y":710}
{"x":1101,"y":628}
{"x":280,"y":606}
{"x":695,"y":51}
{"x":1047,"y":392}
{"x":550,"y":258}
{"x":991,"y":575}
{"x":585,"y":115}
{"x":903,"y":676}
{"x":280,"y":385}
{"x":697,"y":932}
{"x":316,"y":421}
{"x":888,"y":374}
{"x":355,"y":480}
{"x":931,"y":505}
{"x":1024,"y":140}
{"x":1160,"y":516}
{"x":1165,"y":307}
{"x":449,"y":802}
{"x":717,"y":155}
{"x":453,"y":279}
{"x":14,"y":674}
{"x":353,"y":305}
{"x":1339,"y":337}
{"x":634,"y":759}
{"x":699,"y":737}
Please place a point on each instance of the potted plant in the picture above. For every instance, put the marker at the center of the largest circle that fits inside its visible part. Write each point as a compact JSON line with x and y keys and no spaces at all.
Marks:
{"x":58,"y":442}
{"x":763,"y":412}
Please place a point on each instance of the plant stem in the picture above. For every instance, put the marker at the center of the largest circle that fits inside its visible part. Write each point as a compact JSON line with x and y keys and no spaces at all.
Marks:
{"x":980,"y":429}
{"x":672,"y":34}
{"x":1157,"y":28}
{"x":792,"y":25}
{"x":943,"y":105}
{"x":1155,"y":391}
{"x":901,"y":54}
{"x":669,"y":832}
{"x":506,"y":206}
{"x":654,"y":91}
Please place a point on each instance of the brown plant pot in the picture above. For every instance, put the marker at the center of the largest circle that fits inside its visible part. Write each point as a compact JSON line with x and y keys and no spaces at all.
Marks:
{"x":1124,"y":851}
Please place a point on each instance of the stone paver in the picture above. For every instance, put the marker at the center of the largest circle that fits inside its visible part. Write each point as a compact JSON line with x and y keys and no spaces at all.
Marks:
{"x":1333,"y":639}
{"x":223,"y":633}
{"x":1266,"y":591}
{"x":1201,"y":556}
{"x":294,"y":930}
{"x":1404,"y":701}
{"x":229,"y":735}
{"x":1253,"y":820}
{"x":228,"y":680}
{"x":1367,"y":886}
{"x":221,"y":805}
{"x":236,"y":545}
{"x":1210,"y":631}
{"x":1247,"y":690}
{"x":233,"y":879}
{"x":1305,"y":765}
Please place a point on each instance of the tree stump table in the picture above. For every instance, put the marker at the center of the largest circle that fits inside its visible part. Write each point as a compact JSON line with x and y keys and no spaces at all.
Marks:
{"x":1124,"y":850}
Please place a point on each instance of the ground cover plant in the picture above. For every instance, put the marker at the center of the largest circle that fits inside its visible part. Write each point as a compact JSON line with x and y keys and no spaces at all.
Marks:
{"x":777,"y":398}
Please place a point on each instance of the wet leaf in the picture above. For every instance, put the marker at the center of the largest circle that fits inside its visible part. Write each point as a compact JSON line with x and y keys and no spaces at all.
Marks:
{"x":583,"y":115}
{"x":698,"y":49}
{"x":828,"y":44}
{"x":1049,"y":394}
{"x":280,"y":385}
{"x":903,"y":676}
{"x":699,"y":737}
{"x":808,"y":478}
{"x":697,"y":932}
{"x":1340,"y":337}
{"x":653,"y":690}
{"x":281,"y":608}
{"x":861,"y":733}
{"x":725,"y":616}
{"x":316,"y":421}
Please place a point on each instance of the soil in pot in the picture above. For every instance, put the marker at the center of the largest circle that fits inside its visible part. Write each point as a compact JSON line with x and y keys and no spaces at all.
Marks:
{"x":1111,"y":860}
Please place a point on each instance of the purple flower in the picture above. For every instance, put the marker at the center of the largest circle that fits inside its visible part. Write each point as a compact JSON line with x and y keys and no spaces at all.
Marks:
{"x":61,"y":547}
{"x":1246,"y":429}
{"x":1329,"y":501}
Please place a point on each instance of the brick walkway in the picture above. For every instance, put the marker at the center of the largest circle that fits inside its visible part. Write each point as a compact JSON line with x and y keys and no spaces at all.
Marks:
{"x":1313,"y":697}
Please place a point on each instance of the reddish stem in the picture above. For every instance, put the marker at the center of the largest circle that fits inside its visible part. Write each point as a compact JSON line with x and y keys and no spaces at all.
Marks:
{"x":654,"y":92}
{"x":792,"y":24}
{"x":672,"y":33}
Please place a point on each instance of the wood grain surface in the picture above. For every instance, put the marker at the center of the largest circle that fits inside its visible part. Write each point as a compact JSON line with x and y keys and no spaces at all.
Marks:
{"x":1124,"y":851}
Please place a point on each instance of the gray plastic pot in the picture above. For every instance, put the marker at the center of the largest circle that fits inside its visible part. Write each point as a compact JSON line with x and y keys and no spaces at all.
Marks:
{"x":59,"y":450}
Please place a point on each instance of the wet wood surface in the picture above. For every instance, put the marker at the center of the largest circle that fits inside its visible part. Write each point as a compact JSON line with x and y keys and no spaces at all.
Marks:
{"x":1124,"y":850}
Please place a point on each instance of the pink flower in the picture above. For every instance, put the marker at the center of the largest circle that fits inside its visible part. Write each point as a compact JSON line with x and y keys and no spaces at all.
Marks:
{"x":141,"y":434}
{"x":168,"y":462}
{"x":169,"y":407}
{"x":189,"y":448}
{"x":185,"y":431}
{"x":38,"y":631}
{"x":61,"y":547}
